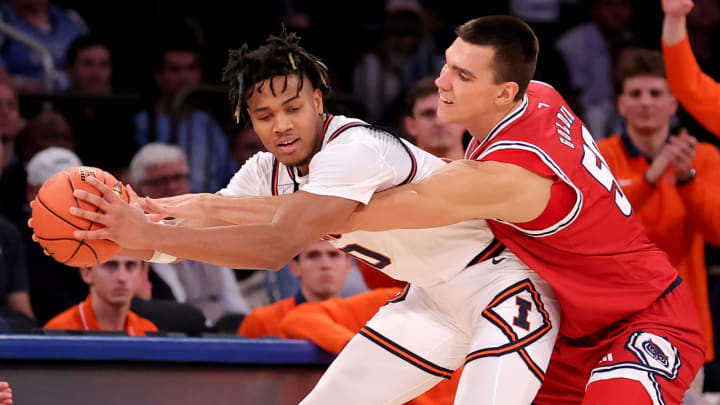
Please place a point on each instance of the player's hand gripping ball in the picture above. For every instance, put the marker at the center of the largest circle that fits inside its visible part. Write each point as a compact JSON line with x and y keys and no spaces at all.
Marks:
{"x":54,"y":225}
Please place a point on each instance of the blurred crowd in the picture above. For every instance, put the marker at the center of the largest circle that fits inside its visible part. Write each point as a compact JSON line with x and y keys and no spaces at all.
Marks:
{"x":133,"y":88}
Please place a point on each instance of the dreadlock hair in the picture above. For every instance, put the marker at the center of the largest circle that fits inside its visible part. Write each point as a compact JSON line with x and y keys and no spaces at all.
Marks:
{"x":279,"y":56}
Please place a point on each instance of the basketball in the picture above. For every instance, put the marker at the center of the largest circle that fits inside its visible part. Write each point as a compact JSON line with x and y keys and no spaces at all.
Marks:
{"x":54,"y":225}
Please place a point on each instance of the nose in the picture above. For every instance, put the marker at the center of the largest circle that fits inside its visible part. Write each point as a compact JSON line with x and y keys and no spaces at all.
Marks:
{"x":442,"y":81}
{"x":282,"y":124}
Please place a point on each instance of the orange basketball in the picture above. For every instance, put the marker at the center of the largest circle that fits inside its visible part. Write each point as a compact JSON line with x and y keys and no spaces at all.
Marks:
{"x":54,"y":225}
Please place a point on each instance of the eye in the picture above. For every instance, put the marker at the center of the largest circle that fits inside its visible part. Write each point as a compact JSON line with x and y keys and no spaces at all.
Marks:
{"x":463,"y":76}
{"x":263,"y":118}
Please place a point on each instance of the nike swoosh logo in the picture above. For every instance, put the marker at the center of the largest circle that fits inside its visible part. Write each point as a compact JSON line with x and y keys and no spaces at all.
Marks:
{"x":496,"y":260}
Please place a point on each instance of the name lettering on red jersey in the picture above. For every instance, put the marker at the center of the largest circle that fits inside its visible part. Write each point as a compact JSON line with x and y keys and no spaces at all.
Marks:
{"x":563,"y":124}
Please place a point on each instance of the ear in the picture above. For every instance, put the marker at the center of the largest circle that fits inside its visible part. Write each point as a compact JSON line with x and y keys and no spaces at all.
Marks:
{"x":507,"y":93}
{"x":318,"y":101}
{"x":86,"y":274}
{"x":622,"y":108}
{"x":295,"y":268}
{"x":410,"y":125}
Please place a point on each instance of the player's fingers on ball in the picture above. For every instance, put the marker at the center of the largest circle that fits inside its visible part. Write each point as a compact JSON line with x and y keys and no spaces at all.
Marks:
{"x":29,"y":223}
{"x":156,"y":217}
{"x":93,"y":199}
{"x":103,"y":188}
{"x":98,"y":234}
{"x":89,"y":215}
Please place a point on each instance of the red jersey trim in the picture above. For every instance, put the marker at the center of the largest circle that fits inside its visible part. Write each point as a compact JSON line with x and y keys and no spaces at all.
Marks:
{"x":545,"y":158}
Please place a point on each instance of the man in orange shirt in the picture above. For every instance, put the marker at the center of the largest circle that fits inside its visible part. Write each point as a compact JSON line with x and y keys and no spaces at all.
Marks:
{"x":332,"y":323}
{"x":671,"y":181}
{"x":112,"y":286}
{"x":321,"y":269}
{"x":696,"y":91}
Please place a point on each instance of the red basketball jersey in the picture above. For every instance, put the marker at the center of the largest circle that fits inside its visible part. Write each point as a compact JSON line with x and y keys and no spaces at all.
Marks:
{"x":586,"y":244}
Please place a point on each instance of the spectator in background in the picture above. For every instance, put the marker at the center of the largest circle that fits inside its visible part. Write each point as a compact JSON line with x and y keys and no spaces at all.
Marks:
{"x":698,"y":93}
{"x":89,"y":67}
{"x":14,"y":297}
{"x":48,"y":24}
{"x":176,"y":69}
{"x":244,"y":143}
{"x":54,"y":287}
{"x":667,"y":177}
{"x":112,"y":286}
{"x":432,"y":135}
{"x":331,"y":324}
{"x":98,"y":119}
{"x":12,"y":181}
{"x":405,"y":54}
{"x":321,"y":269}
{"x":160,"y":170}
{"x":587,"y":51}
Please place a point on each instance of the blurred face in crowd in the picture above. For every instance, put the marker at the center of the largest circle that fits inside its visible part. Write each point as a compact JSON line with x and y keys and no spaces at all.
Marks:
{"x":180,"y":69}
{"x":647,"y":103}
{"x":165,"y":180}
{"x":431,"y":133}
{"x":91,"y":72}
{"x":10,"y":121}
{"x":322,"y":270}
{"x":612,"y":15}
{"x":288,"y":124}
{"x":115,"y":281}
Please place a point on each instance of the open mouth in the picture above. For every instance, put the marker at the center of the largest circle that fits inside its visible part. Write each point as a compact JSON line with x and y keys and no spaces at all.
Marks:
{"x":287,"y":145}
{"x":445,"y":101}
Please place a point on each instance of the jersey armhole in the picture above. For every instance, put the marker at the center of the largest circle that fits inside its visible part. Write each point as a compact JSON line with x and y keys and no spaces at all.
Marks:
{"x":563,"y":197}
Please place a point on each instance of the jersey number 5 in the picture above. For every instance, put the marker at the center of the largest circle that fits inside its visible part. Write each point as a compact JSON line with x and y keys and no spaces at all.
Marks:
{"x":595,"y":165}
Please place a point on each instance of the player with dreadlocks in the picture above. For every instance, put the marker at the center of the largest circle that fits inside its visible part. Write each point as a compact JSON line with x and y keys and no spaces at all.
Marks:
{"x":470,"y":301}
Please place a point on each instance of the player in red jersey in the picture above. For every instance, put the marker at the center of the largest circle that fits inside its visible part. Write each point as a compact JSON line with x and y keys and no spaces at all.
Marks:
{"x":629,"y":333}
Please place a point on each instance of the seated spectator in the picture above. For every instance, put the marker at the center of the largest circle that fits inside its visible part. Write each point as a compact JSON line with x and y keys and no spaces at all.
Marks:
{"x":698,"y":93}
{"x":90,"y":112}
{"x":331,"y":324}
{"x":46,"y":23}
{"x":160,"y":170}
{"x":54,"y":287}
{"x":668,"y":177}
{"x":587,"y":51}
{"x":12,"y":181}
{"x":112,"y":286}
{"x":14,"y":297}
{"x":432,"y":135}
{"x":176,"y":68}
{"x":321,"y":269}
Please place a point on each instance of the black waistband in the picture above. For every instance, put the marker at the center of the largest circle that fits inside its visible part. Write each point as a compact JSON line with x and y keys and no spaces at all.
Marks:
{"x":492,"y":250}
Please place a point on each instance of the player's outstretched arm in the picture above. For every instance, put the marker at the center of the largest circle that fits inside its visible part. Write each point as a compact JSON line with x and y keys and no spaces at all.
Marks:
{"x":301,"y":219}
{"x":460,"y":191}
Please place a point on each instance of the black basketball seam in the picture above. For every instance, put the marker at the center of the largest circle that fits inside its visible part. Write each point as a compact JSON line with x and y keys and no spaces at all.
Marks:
{"x":72,"y":189}
{"x":80,"y":242}
{"x":53,"y":212}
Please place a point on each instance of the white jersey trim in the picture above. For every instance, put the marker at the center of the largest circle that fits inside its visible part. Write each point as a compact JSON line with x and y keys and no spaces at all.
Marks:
{"x":574,"y":212}
{"x":512,"y":116}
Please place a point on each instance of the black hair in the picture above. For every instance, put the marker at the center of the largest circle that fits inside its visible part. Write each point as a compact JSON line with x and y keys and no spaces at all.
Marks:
{"x":81,"y":43}
{"x":421,"y":89}
{"x":514,"y":43}
{"x":279,"y":56}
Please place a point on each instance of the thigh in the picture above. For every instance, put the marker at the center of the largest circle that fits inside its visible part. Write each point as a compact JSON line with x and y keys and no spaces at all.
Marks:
{"x":661,"y":349}
{"x":512,"y":343}
{"x":403,"y":351}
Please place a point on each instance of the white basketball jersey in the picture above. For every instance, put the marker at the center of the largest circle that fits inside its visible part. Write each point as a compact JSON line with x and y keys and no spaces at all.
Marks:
{"x":356,"y":161}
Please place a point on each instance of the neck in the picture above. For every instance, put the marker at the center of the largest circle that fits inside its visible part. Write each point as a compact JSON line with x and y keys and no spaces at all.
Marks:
{"x":164,"y":104}
{"x":481,"y":129}
{"x":454,"y":153}
{"x":649,"y":142}
{"x":109,"y":316}
{"x":310,"y":297}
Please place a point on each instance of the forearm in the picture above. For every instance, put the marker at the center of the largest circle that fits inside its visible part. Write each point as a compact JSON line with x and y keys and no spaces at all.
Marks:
{"x":242,"y":210}
{"x":674,"y":29}
{"x":262,"y":247}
